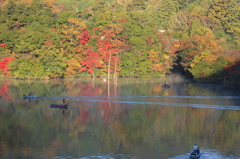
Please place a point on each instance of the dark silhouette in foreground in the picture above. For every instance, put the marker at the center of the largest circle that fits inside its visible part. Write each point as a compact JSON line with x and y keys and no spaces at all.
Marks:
{"x":195,"y":154}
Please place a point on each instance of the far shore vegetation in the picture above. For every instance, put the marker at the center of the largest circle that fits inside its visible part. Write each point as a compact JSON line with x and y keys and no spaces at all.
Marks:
{"x":44,"y":39}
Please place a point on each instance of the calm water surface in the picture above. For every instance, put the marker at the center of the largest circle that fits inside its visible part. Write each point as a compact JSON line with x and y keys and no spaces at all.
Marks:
{"x":126,"y":119}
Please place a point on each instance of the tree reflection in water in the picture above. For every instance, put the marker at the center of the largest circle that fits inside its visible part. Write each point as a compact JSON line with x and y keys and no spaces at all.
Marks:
{"x":135,"y":118}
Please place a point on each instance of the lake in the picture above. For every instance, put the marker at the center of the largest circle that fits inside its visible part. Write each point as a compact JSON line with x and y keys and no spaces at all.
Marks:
{"x":127,"y":118}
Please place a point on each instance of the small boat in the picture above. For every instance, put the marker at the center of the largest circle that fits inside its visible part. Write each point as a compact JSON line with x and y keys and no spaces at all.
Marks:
{"x":29,"y":97}
{"x":195,"y":154}
{"x":166,"y":86}
{"x":58,"y":105}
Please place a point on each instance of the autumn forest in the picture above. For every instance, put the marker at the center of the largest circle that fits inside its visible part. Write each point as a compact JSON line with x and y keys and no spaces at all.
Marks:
{"x":199,"y":39}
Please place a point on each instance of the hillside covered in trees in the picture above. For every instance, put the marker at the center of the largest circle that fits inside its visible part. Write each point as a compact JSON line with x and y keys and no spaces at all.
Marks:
{"x":143,"y":38}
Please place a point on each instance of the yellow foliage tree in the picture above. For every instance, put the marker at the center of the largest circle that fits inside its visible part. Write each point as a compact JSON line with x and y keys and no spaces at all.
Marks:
{"x":206,"y":42}
{"x":199,"y":57}
{"x":72,"y":30}
{"x":153,"y":56}
{"x":72,"y":65}
{"x":218,"y":11}
{"x":209,"y":47}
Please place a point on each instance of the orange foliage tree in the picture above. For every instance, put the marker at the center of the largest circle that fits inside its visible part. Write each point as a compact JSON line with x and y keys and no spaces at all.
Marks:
{"x":198,"y":53}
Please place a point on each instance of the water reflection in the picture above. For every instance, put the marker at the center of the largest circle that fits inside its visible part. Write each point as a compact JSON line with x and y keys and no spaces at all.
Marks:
{"x":62,"y":109}
{"x":133,"y":119}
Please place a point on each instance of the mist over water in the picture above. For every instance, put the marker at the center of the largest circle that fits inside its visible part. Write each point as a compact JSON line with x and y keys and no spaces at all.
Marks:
{"x":128,"y":118}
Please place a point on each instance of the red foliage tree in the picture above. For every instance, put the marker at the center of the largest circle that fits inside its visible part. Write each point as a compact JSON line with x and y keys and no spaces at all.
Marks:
{"x":91,"y":61}
{"x":123,"y":20}
{"x":84,"y":37}
{"x":109,"y":47}
{"x":108,"y":52}
{"x":49,"y":42}
{"x":229,"y":68}
{"x":2,"y":45}
{"x":4,"y":65}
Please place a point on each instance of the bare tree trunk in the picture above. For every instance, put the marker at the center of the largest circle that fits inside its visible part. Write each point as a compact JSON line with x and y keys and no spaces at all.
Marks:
{"x":93,"y":78}
{"x":115,"y":76}
{"x":115,"y":71}
{"x":109,"y":62}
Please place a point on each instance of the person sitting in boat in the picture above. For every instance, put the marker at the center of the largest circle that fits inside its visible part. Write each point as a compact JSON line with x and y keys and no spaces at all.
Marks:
{"x":166,"y":85}
{"x":195,"y":153}
{"x":63,"y":101}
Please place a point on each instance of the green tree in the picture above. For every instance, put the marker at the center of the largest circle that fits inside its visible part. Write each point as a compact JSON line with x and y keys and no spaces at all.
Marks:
{"x":128,"y":64}
{"x":218,"y":11}
{"x":165,"y":12}
{"x":136,"y":5}
{"x":184,"y":3}
{"x":52,"y":60}
{"x":233,"y":21}
{"x":197,"y":28}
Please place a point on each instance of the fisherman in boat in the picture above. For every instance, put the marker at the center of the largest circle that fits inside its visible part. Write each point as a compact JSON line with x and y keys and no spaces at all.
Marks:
{"x":63,"y":101}
{"x":166,"y":85}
